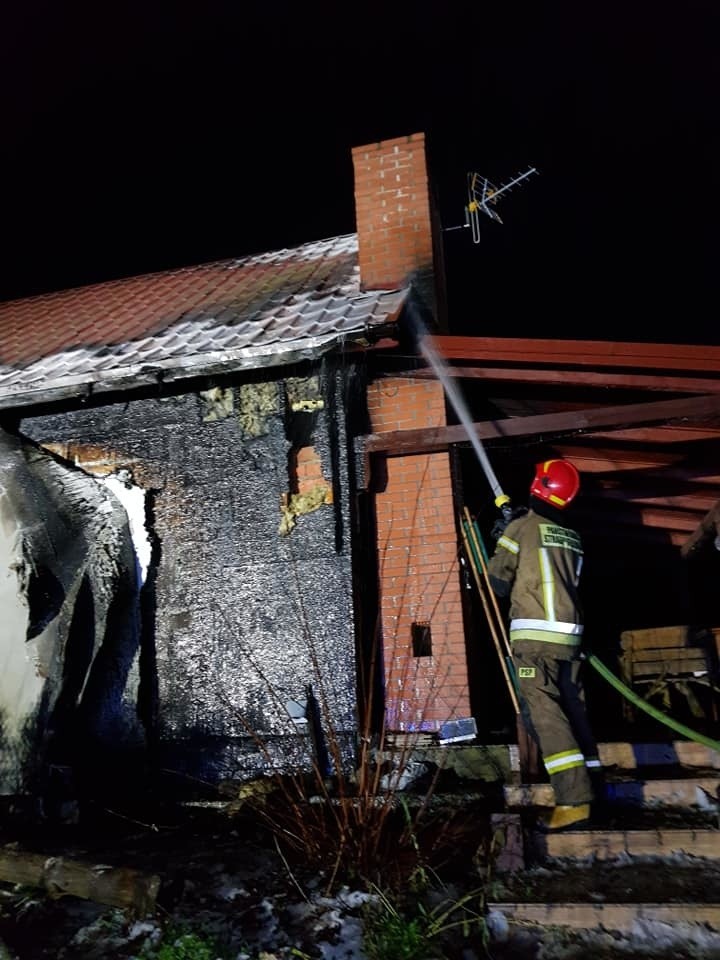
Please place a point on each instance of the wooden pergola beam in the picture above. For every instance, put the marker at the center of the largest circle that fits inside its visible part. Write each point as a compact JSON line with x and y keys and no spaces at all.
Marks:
{"x":572,"y":378}
{"x":435,"y":439}
{"x":593,"y":353}
{"x":606,"y":459}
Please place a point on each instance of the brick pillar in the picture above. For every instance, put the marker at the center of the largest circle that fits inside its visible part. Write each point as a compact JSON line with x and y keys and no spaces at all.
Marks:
{"x":418,"y":566}
{"x":417,"y":541}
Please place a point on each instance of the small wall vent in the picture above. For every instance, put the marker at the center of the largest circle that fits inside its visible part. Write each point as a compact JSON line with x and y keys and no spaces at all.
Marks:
{"x":421,"y":639}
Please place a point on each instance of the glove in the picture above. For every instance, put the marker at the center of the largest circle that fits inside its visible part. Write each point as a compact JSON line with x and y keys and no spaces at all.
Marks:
{"x":498,"y":527}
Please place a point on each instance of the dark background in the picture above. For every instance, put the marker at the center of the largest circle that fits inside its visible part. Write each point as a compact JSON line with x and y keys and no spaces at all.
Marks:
{"x":138,"y":137}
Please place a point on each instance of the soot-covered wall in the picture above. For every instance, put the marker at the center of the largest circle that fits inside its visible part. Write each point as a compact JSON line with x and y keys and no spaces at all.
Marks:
{"x":248,"y":602}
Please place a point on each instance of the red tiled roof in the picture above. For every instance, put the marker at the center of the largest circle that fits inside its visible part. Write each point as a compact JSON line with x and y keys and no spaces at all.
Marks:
{"x":245,"y":311}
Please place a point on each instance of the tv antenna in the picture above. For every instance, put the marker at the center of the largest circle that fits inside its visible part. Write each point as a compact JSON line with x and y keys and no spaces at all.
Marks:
{"x":482,"y":198}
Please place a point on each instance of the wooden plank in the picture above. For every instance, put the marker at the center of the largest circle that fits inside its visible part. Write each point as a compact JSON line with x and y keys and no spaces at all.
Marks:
{"x":660,"y":654}
{"x":673,"y":502}
{"x":619,"y":917}
{"x":662,"y":433}
{"x":651,"y":638}
{"x":670,"y":667}
{"x":644,"y":637}
{"x":669,"y":465}
{"x":592,"y":353}
{"x":435,"y":439}
{"x":573,"y":378}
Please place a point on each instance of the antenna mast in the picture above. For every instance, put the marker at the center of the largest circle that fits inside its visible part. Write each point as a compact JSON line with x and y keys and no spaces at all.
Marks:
{"x":482,"y":197}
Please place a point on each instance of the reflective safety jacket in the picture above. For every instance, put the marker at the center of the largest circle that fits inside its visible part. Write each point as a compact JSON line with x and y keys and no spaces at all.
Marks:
{"x":538,"y":563}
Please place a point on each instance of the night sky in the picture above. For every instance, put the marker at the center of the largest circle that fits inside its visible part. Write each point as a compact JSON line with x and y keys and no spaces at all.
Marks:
{"x":138,"y":137}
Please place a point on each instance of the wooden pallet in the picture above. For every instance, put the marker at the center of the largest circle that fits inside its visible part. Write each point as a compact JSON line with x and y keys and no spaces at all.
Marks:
{"x":675,"y":655}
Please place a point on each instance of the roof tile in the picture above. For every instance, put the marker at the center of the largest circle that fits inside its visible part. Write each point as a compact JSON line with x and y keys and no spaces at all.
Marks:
{"x":272,"y":307}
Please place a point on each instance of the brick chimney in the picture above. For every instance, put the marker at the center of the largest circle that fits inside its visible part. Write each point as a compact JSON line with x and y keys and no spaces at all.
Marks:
{"x":393,"y":216}
{"x":421,"y":619}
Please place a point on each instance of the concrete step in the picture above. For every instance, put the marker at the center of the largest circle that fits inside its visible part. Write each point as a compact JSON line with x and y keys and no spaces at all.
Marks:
{"x":653,"y":870}
{"x":701,"y":792}
{"x":604,"y":844}
{"x":520,"y":845}
{"x":680,"y":753}
{"x":615,"y":894}
{"x":617,"y":917}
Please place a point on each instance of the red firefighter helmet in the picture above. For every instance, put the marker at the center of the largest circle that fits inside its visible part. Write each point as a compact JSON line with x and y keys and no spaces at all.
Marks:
{"x":556,"y":482}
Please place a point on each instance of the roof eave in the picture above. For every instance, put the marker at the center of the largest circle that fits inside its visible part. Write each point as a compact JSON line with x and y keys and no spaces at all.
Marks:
{"x":138,"y":376}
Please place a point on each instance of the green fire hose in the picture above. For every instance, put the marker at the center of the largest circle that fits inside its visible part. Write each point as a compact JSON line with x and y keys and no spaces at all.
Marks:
{"x":638,"y":701}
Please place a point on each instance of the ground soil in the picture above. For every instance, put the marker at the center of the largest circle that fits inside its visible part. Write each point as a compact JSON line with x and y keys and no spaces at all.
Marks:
{"x":228,"y":876}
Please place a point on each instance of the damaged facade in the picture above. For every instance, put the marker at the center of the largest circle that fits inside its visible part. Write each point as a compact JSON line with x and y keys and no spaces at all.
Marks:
{"x":240,"y":600}
{"x":222,"y":399}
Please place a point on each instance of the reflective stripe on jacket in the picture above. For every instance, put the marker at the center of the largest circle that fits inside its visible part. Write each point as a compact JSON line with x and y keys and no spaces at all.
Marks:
{"x":538,"y":563}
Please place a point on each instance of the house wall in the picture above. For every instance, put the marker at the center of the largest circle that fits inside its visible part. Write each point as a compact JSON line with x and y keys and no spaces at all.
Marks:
{"x":248,"y":600}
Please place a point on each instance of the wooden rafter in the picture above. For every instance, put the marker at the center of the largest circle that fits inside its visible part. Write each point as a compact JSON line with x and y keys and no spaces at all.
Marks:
{"x":434,"y":439}
{"x":593,"y":353}
{"x":606,"y":459}
{"x":573,"y":378}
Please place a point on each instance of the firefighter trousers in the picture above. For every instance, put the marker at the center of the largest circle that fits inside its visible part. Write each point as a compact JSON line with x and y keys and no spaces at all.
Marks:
{"x":554,"y":713}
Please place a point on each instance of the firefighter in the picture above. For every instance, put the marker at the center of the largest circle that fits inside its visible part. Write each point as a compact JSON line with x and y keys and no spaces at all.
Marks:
{"x":536,"y":564}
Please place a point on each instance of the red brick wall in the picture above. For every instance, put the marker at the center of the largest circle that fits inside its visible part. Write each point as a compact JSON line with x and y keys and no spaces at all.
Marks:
{"x":418,"y":566}
{"x":392,"y":211}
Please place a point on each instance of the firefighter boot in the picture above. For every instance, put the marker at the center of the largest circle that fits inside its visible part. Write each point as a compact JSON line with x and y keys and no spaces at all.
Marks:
{"x":566,"y":817}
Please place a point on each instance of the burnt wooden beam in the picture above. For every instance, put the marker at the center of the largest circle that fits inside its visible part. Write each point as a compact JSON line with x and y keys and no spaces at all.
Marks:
{"x":437,"y":439}
{"x":572,"y":378}
{"x":593,"y":353}
{"x":122,"y":887}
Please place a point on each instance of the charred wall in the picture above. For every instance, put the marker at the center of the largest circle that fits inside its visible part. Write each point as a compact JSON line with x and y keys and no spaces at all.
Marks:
{"x":248,"y":604}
